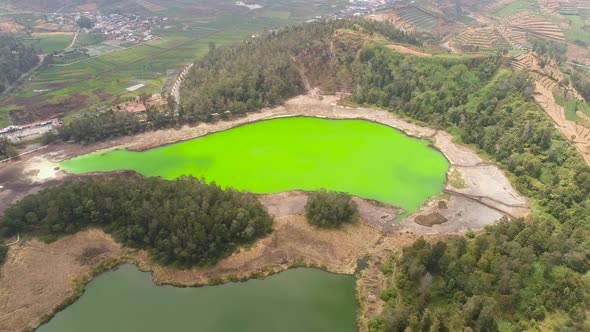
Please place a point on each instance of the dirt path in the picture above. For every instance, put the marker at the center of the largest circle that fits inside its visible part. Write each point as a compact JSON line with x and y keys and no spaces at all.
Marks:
{"x":409,"y":51}
{"x":74,"y":39}
{"x":31,"y":286}
{"x":178,"y":83}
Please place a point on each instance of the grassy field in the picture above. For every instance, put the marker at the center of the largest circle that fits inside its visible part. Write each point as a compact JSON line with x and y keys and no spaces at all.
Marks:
{"x":571,"y":107}
{"x":517,"y":6}
{"x":576,"y":31}
{"x":4,"y":116}
{"x":466,"y":19}
{"x":85,"y":40}
{"x":49,"y":43}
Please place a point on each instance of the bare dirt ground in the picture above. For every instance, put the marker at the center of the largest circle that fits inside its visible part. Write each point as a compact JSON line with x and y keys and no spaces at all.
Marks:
{"x":31,"y":286}
{"x":54,"y":33}
{"x":406,"y":50}
{"x":10,"y":26}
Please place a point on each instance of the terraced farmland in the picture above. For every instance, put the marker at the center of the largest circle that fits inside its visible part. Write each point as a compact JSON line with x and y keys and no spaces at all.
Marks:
{"x":417,"y":17}
{"x":482,"y":39}
{"x":521,"y":28}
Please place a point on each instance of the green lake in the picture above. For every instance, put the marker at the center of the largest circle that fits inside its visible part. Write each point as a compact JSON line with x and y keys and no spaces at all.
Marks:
{"x":127,"y":300}
{"x":359,"y":157}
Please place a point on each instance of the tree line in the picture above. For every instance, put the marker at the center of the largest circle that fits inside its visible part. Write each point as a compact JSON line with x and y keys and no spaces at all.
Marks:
{"x":7,"y":149}
{"x":15,"y":60}
{"x":580,"y":78}
{"x":184,"y":222}
{"x":265,"y":71}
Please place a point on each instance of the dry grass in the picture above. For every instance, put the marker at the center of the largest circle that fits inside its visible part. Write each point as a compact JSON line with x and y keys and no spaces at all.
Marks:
{"x":37,"y":277}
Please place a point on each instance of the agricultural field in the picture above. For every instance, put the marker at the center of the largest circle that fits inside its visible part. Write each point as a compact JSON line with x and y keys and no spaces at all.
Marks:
{"x":419,"y":18}
{"x":47,"y":43}
{"x":572,"y":107}
{"x":85,"y":40}
{"x":577,"y":32}
{"x":86,"y":83}
{"x":517,"y":6}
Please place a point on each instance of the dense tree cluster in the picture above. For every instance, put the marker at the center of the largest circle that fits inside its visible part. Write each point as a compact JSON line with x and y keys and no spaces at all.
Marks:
{"x":7,"y":150}
{"x":3,"y":253}
{"x":184,"y":222}
{"x":15,"y":60}
{"x":329,"y":209}
{"x":267,"y":70}
{"x":428,"y":90}
{"x":503,"y":280}
{"x":547,"y":50}
{"x":85,"y":23}
{"x":101,"y":126}
{"x":581,"y":81}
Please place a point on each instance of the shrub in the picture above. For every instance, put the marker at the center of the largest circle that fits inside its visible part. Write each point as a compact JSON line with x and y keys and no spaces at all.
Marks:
{"x":329,"y":209}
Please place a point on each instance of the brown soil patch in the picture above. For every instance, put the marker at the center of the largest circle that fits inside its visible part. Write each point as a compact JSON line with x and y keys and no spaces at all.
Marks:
{"x":46,"y":27}
{"x":10,"y":27}
{"x":430,"y":219}
{"x":578,"y":54}
{"x":375,"y":214}
{"x":38,"y":108}
{"x":409,"y":51}
{"x":38,"y":277}
{"x":54,"y":33}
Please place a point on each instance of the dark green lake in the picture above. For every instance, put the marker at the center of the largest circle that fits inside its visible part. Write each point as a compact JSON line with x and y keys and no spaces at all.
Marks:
{"x":126,"y":300}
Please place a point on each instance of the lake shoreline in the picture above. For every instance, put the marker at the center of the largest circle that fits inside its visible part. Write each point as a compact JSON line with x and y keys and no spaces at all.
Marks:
{"x":485,"y":196}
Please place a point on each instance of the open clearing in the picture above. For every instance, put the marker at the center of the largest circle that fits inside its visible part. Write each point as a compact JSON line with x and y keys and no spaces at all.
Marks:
{"x":485,"y":197}
{"x":406,"y":50}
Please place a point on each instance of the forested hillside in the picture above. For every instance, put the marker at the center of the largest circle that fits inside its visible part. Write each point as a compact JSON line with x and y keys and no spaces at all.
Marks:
{"x":513,"y":276}
{"x":519,"y":273}
{"x":267,"y":70}
{"x":15,"y":59}
{"x":183,"y":222}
